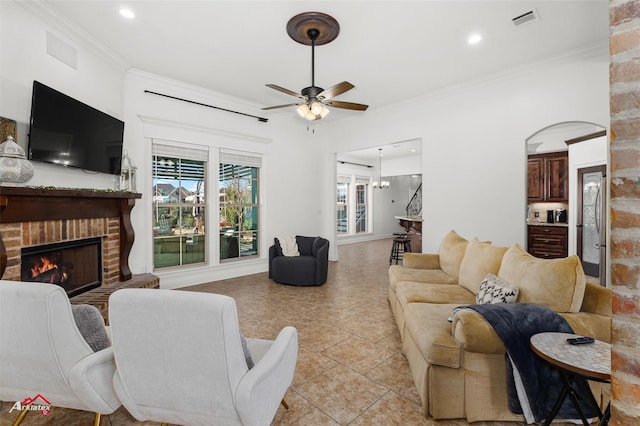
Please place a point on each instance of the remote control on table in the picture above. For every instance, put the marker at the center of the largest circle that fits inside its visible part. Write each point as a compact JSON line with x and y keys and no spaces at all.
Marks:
{"x":580,"y":340}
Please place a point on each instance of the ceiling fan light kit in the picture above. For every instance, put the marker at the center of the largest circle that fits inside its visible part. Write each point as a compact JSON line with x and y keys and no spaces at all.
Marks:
{"x":315,"y":111}
{"x":315,"y":29}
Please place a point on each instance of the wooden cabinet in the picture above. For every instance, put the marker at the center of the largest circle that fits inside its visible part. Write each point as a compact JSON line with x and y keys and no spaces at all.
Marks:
{"x":548,"y":177}
{"x":535,"y":179}
{"x":548,"y":242}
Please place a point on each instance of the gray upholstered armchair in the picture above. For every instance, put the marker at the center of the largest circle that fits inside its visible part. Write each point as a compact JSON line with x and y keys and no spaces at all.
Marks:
{"x":309,"y":268}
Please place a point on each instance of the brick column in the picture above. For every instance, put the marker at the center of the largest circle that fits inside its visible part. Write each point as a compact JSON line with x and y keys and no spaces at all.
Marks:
{"x":625,"y":209}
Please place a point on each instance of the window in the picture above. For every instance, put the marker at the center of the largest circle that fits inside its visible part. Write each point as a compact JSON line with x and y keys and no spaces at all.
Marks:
{"x":179,"y":207}
{"x":239,"y":185}
{"x":352,"y":205}
{"x":342,"y":207}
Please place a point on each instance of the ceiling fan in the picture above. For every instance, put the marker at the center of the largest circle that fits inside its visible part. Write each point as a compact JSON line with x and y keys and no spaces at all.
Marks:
{"x":315,"y":29}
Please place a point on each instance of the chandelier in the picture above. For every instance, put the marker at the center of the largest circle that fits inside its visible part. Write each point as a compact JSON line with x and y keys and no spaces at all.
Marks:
{"x":380,"y":184}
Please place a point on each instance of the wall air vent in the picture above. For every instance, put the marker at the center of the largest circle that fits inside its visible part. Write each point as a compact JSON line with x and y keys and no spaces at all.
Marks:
{"x":525,"y":17}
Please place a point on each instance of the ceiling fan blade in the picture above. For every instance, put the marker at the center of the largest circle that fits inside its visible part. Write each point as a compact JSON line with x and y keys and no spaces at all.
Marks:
{"x":286,"y":91}
{"x":279,"y":106}
{"x":336,"y":90}
{"x":347,"y":105}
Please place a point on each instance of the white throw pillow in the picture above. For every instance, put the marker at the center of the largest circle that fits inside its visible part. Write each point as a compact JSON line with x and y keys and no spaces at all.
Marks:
{"x":496,"y":290}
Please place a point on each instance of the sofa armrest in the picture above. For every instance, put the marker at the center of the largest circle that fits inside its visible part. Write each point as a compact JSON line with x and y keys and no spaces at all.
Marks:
{"x":597,"y":300}
{"x":592,"y":325}
{"x":421,"y":260}
{"x":475,"y":333}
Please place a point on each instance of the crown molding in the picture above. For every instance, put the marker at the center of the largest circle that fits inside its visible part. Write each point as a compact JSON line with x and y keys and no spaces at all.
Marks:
{"x":590,"y":51}
{"x":74,"y":33}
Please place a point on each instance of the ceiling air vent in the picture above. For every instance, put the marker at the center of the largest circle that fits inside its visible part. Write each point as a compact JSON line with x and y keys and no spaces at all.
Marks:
{"x":525,"y":17}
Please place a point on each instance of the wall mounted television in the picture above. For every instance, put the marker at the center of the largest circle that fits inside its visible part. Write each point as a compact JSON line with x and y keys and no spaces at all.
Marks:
{"x":68,"y":132}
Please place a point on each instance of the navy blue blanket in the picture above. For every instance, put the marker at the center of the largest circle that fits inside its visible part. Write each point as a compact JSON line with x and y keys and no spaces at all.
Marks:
{"x":515,"y":323}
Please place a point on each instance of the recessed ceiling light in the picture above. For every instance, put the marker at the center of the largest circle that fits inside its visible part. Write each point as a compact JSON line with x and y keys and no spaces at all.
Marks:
{"x":474,"y":38}
{"x":127,"y":13}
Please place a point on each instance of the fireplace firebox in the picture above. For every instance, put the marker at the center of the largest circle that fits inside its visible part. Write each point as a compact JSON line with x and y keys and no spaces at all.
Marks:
{"x":74,"y":265}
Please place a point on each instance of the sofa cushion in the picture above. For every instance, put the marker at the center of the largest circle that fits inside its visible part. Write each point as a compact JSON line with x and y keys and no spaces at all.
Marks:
{"x":428,"y":326}
{"x":558,"y":284}
{"x":421,"y":260}
{"x":305,"y":245}
{"x":479,"y":260}
{"x":398,"y":273}
{"x":451,"y":253}
{"x":413,"y":292}
{"x":496,"y":290}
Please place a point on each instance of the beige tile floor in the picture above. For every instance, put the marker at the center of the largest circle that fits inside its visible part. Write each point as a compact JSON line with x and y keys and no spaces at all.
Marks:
{"x":350,"y":368}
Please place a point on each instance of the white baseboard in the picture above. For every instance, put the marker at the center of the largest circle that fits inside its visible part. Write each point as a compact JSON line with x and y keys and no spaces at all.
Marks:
{"x":204,"y":274}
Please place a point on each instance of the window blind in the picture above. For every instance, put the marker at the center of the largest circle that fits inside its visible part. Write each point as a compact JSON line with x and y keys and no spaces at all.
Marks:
{"x":240,"y":158}
{"x":180,"y":151}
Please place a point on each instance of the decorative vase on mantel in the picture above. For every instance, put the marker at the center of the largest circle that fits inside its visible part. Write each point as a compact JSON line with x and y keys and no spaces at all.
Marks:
{"x":127,"y":175}
{"x":14,"y":166}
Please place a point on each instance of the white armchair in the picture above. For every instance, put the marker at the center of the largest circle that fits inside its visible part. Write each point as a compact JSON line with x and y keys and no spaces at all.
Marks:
{"x":42,"y":352}
{"x":180,"y":360}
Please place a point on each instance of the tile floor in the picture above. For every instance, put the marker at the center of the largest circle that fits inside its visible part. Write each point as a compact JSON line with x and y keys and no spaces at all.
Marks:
{"x":350,"y":367}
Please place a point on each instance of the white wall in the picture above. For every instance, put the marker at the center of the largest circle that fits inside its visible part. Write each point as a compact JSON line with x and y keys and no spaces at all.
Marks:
{"x":402,"y":166}
{"x":97,"y":81}
{"x":474,"y":157}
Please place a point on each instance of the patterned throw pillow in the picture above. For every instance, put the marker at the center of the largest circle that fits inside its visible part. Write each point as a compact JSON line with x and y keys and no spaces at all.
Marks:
{"x":492,"y":290}
{"x":496,"y":290}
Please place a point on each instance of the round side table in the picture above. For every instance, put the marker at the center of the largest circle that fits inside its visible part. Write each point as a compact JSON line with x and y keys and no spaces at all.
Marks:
{"x":591,"y":361}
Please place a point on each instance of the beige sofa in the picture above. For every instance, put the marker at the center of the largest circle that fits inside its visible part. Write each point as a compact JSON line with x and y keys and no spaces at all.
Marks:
{"x":458,"y":367}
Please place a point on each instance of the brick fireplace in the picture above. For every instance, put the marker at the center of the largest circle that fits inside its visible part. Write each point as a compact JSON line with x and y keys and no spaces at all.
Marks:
{"x":31,"y":217}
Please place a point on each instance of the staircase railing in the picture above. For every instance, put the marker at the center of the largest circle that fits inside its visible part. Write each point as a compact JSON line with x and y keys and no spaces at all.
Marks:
{"x":414,"y":208}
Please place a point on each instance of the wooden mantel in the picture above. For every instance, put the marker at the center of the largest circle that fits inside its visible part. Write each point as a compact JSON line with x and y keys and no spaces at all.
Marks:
{"x":31,"y":204}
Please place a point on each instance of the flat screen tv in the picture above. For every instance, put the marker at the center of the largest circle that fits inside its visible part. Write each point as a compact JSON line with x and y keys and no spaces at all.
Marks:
{"x":68,"y":132}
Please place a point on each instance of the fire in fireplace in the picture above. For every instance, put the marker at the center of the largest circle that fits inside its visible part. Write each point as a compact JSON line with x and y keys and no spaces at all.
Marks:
{"x":73,"y":265}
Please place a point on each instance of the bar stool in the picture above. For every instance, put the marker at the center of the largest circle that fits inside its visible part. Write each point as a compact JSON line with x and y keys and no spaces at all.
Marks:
{"x":400,"y":245}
